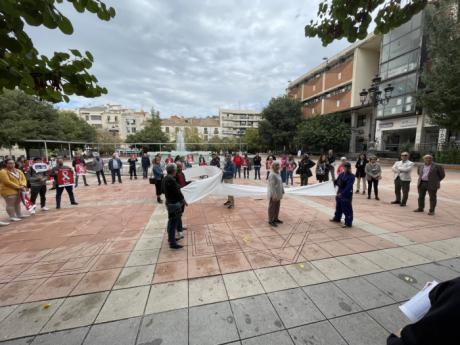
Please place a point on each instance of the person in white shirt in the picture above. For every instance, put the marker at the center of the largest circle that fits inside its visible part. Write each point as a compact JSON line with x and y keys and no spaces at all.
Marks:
{"x":402,"y":176}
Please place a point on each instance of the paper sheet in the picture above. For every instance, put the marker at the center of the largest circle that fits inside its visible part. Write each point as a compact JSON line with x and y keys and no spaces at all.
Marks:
{"x":418,"y":306}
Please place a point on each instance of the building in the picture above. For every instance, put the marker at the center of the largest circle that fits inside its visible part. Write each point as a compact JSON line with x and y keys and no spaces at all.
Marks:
{"x":207,"y":127}
{"x":235,"y":122}
{"x":116,"y":119}
{"x":334,"y":87}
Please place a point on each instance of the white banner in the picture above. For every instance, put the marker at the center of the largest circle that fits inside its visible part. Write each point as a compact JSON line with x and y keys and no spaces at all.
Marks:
{"x":213,"y":185}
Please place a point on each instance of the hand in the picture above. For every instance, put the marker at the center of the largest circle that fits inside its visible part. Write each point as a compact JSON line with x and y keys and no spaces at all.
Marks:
{"x":185,"y":203}
{"x":398,"y":333}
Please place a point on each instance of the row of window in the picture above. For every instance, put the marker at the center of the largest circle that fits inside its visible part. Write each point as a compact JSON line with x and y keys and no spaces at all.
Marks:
{"x":205,"y":131}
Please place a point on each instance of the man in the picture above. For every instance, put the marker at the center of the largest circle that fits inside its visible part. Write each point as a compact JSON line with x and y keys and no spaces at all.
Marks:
{"x":115,"y":166}
{"x":215,"y":161}
{"x":275,"y":193}
{"x":257,"y":165}
{"x":344,"y":196}
{"x":304,"y":169}
{"x":145,"y":162}
{"x":98,"y":164}
{"x":227,"y":177}
{"x":38,"y":175}
{"x":402,"y":177}
{"x":430,"y":176}
{"x":174,"y":202}
{"x":132,"y":167}
{"x":238,"y":162}
{"x":79,"y":163}
{"x":63,"y":177}
{"x":340,"y":168}
{"x":331,"y":160}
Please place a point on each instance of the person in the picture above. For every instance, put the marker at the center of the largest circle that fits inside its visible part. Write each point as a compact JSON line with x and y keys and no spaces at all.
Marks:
{"x":245,"y":164}
{"x":361,"y":172}
{"x":215,"y":161}
{"x":132,"y":167}
{"x":37,"y":180}
{"x":20,"y":163}
{"x":331,"y":160}
{"x":60,"y":189}
{"x":303,"y":170}
{"x":12,"y":182}
{"x":299,"y":153}
{"x":373,"y":176}
{"x":98,"y":164}
{"x":275,"y":192}
{"x":158,"y":175}
{"x":174,"y":202}
{"x":257,"y":160}
{"x":201,"y":161}
{"x":344,"y":196}
{"x":115,"y":166}
{"x":78,"y":160}
{"x":227,"y":177}
{"x":268,"y":164}
{"x":340,"y":168}
{"x":439,"y":324}
{"x":402,"y":176}
{"x":283,"y":167}
{"x":182,"y":181}
{"x":145,"y":162}
{"x":322,"y":169}
{"x":291,"y":165}
{"x":430,"y":176}
{"x":170,"y":160}
{"x":237,"y":161}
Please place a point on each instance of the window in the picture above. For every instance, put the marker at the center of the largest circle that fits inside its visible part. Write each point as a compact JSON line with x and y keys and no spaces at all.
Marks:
{"x":116,"y":118}
{"x":216,"y":131}
{"x":338,"y":103}
{"x":167,"y":129}
{"x":87,"y":117}
{"x":205,"y":131}
{"x":96,"y":117}
{"x":339,"y":76}
{"x":313,"y":111}
{"x":133,"y":130}
{"x":97,"y":125}
{"x":108,"y":118}
{"x":361,"y":121}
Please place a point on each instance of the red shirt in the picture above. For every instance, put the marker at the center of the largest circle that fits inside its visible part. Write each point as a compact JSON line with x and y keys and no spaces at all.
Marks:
{"x":238,"y":161}
{"x":180,"y":178}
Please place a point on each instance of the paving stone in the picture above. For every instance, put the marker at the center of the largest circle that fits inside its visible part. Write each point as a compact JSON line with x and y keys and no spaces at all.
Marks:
{"x":333,"y":269}
{"x":330,"y":300}
{"x":389,"y":317}
{"x":207,"y":290}
{"x":397,"y":239}
{"x":413,"y":276}
{"x":392,"y":286}
{"x":77,"y":311}
{"x":142,"y":257}
{"x":124,"y":304}
{"x":320,"y":333}
{"x":277,"y":338}
{"x":121,"y":332}
{"x":168,"y":328}
{"x":167,"y":296}
{"x":135,"y":276}
{"x":5,"y":311}
{"x":22,"y":341}
{"x":364,"y":293}
{"x":440,"y":272}
{"x":359,"y":264}
{"x":305,"y":273}
{"x":453,"y":264}
{"x":428,"y":252}
{"x":148,"y":243}
{"x":295,"y":308}
{"x":384,"y":260}
{"x":275,"y":279}
{"x":360,"y":329}
{"x":242,"y":284}
{"x":212,"y":324}
{"x":255,"y":315}
{"x":406,"y":256}
{"x":68,"y":337}
{"x":445,"y":246}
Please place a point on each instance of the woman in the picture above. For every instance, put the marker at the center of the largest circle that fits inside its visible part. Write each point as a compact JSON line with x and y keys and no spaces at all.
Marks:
{"x":158,"y":176}
{"x":373,"y":175}
{"x":304,"y":169}
{"x":268,"y":165}
{"x":291,"y":165}
{"x":322,"y":169}
{"x":201,"y":161}
{"x":275,"y":194}
{"x":361,"y":172}
{"x":245,"y":165}
{"x":257,"y":165}
{"x":331,"y":160}
{"x":12,"y":182}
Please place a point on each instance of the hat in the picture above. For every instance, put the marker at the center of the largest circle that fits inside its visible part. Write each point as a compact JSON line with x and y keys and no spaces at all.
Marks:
{"x":343,"y":158}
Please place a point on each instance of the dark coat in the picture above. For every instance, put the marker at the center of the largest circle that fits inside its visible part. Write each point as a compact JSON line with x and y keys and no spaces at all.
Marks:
{"x":435,"y":176}
{"x":120,"y":164}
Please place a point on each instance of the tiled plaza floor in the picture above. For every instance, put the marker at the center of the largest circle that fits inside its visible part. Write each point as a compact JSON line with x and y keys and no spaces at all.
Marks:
{"x":102,"y":273}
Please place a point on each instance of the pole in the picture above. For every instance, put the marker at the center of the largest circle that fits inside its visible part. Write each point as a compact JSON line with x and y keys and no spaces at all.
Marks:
{"x":70,"y":152}
{"x":46,"y":151}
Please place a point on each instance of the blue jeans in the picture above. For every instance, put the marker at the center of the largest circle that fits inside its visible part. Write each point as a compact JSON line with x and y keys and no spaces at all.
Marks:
{"x":256,"y":172}
{"x":343,"y":206}
{"x":174,"y":221}
{"x":290,"y":175}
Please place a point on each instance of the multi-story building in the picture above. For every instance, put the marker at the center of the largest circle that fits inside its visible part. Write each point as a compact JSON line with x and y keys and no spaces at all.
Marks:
{"x":234,"y":122}
{"x":334,"y":87}
{"x":207,"y":127}
{"x":116,"y":119}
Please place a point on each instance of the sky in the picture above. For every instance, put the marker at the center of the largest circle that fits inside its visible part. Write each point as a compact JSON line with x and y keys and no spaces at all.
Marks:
{"x":192,"y":57}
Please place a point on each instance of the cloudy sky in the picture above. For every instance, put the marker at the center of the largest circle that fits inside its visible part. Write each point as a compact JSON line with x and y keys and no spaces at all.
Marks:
{"x":192,"y":57}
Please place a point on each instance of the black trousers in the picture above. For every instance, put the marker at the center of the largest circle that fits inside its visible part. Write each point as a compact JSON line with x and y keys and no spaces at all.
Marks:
{"x":116,"y":172}
{"x":373,"y":182}
{"x":145,"y":172}
{"x":59,"y":191}
{"x":84,"y":180}
{"x":303,"y":179}
{"x":35,"y":191}
{"x":404,"y":187}
{"x":132,"y":172}
{"x":422,"y":189}
{"x":256,"y":172}
{"x":158,"y":187}
{"x":99,"y":174}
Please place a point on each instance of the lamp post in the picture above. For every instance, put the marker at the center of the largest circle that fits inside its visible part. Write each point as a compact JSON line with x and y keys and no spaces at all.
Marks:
{"x":373,"y":96}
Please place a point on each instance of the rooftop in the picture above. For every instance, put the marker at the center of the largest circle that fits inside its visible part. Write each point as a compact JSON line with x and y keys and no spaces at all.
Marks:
{"x":175,"y":120}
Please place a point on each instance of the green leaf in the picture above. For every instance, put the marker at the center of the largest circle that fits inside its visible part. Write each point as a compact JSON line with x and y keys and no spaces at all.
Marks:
{"x":65,"y":26}
{"x":75,"y":52}
{"x":89,"y":56}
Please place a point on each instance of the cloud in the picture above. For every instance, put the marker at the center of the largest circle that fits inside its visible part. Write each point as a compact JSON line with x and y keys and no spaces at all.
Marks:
{"x":193,"y":57}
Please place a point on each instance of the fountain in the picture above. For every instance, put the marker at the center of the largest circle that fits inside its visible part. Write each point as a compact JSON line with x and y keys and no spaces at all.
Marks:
{"x":180,"y":143}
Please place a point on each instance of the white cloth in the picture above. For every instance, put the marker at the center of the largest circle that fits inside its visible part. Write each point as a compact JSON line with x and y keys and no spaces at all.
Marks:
{"x":213,"y":185}
{"x":275,"y":186}
{"x":403,"y":169}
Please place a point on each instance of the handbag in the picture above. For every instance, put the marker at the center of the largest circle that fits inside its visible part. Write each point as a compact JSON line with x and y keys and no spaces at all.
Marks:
{"x":152,"y":179}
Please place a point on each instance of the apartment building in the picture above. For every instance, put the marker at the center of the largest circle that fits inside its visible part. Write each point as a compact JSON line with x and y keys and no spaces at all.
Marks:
{"x":207,"y":127}
{"x":234,"y":122}
{"x":334,"y":87}
{"x":116,"y":119}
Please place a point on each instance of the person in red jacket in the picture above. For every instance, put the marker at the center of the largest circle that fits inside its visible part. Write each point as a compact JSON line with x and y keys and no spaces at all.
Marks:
{"x":238,"y":161}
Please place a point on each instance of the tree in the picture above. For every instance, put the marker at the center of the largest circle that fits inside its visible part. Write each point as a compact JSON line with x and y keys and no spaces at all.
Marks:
{"x":324,"y":132}
{"x":193,"y":139}
{"x":106,"y":141}
{"x":252,"y":140}
{"x":72,"y":128}
{"x":150,"y":134}
{"x":50,"y":78}
{"x":280,"y":119}
{"x":440,"y":97}
{"x":350,"y":19}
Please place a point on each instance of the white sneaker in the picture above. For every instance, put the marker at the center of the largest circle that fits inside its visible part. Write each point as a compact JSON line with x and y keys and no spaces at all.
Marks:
{"x":44,"y":208}
{"x":14,"y":219}
{"x":4,"y":223}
